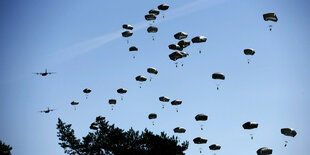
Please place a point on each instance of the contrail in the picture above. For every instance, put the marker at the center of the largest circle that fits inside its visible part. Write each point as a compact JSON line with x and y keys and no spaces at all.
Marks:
{"x":94,"y":43}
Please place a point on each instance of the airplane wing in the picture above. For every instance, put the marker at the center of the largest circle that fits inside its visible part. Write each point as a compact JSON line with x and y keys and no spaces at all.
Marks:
{"x":41,"y":111}
{"x":52,"y":109}
{"x":51,"y":72}
{"x":37,"y":73}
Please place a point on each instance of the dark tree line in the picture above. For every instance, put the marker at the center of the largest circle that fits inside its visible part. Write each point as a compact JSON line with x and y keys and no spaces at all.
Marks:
{"x":5,"y":149}
{"x":110,"y":140}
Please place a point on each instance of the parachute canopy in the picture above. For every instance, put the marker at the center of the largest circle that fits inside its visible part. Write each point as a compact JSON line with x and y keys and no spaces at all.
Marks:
{"x":152,"y":29}
{"x":270,"y":17}
{"x":164,"y":99}
{"x":74,"y":103}
{"x":154,"y":11}
{"x":175,"y":56}
{"x":175,"y":47}
{"x":184,"y":43}
{"x":127,"y":27}
{"x":112,"y":101}
{"x":176,"y":102}
{"x":163,"y":7}
{"x":214,"y":147}
{"x":86,"y":90}
{"x":250,"y":125}
{"x":288,"y":132}
{"x":133,"y":48}
{"x":149,"y":17}
{"x":264,"y":151}
{"x":121,"y":91}
{"x":179,"y":130}
{"x":152,"y":70}
{"x":127,"y":34}
{"x":249,"y":51}
{"x":141,"y":78}
{"x":152,"y":116}
{"x":180,"y":35}
{"x":199,"y":39}
{"x":201,"y":117}
{"x":219,"y":76}
{"x":200,"y":140}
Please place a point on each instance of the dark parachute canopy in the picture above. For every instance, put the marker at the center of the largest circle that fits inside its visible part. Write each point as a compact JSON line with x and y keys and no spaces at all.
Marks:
{"x":127,"y":34}
{"x":152,"y":70}
{"x":175,"y":47}
{"x":201,"y":117}
{"x":250,"y":125}
{"x":74,"y":103}
{"x":127,"y":27}
{"x":184,"y":43}
{"x":112,"y":102}
{"x":152,"y":116}
{"x":177,"y":55}
{"x":133,"y":48}
{"x":163,"y":7}
{"x":150,"y":17}
{"x":152,"y":29}
{"x":249,"y":52}
{"x":288,"y":132}
{"x":86,"y":91}
{"x":270,"y":17}
{"x":200,"y":140}
{"x":199,"y":39}
{"x":180,"y":35}
{"x":163,"y":99}
{"x":214,"y":147}
{"x":175,"y":103}
{"x":264,"y":151}
{"x":141,"y":78}
{"x":218,"y":76}
{"x":122,"y":91}
{"x":179,"y":130}
{"x":154,"y":11}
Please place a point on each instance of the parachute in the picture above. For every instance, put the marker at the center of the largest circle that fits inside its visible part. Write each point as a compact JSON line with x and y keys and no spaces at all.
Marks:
{"x":288,"y":132}
{"x":199,"y":39}
{"x":152,"y":116}
{"x":184,"y":43}
{"x":200,"y":140}
{"x":180,"y":35}
{"x":86,"y":91}
{"x":133,"y":49}
{"x":152,"y":71}
{"x":250,"y":126}
{"x":112,"y":102}
{"x":249,"y":52}
{"x":264,"y":151}
{"x":270,"y":17}
{"x":150,"y":17}
{"x":164,"y":99}
{"x":127,"y":34}
{"x":175,"y":47}
{"x":176,"y":102}
{"x":152,"y":29}
{"x":127,"y":27}
{"x":218,"y":76}
{"x":141,"y":78}
{"x":121,"y":91}
{"x":163,"y":7}
{"x":201,"y":117}
{"x":214,"y":147}
{"x":154,"y":11}
{"x":177,"y":55}
{"x":74,"y":103}
{"x":179,"y":130}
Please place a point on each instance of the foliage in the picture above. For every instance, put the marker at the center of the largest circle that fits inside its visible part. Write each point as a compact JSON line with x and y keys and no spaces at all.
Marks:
{"x":5,"y":149}
{"x":110,"y":140}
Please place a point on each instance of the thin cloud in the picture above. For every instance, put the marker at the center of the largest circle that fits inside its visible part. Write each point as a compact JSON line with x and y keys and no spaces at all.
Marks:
{"x":94,"y":43}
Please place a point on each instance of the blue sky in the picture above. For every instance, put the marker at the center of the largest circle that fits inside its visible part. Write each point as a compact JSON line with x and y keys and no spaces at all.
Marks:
{"x":81,"y":41}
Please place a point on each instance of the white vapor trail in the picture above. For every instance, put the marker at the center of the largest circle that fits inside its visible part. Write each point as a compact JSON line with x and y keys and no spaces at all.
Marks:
{"x":94,"y":43}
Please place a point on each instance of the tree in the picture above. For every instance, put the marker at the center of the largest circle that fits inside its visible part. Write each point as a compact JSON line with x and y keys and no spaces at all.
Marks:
{"x":5,"y":149}
{"x":110,"y":140}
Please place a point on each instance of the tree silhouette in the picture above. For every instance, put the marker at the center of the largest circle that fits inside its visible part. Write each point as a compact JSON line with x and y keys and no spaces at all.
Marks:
{"x":5,"y":149}
{"x":110,"y":140}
